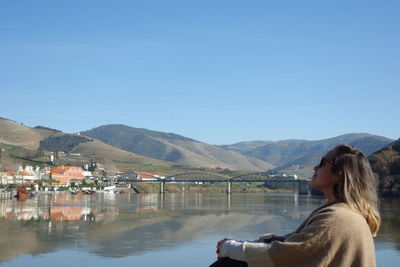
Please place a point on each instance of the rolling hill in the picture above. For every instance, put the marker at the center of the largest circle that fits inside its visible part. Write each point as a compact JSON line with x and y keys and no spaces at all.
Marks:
{"x":25,"y":141}
{"x":128,"y":145}
{"x":15,"y":134}
{"x":174,"y":148}
{"x":305,"y":153}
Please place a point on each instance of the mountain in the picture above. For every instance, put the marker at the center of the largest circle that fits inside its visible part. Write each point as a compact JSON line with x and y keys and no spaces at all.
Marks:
{"x":174,"y":148}
{"x":303,"y":152}
{"x":386,"y":164}
{"x":128,"y":145}
{"x":26,"y":142}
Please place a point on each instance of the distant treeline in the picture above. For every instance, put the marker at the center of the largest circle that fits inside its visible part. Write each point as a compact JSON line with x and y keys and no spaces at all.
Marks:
{"x":47,"y":128}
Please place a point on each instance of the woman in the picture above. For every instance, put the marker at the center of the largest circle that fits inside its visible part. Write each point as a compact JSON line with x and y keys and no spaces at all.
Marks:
{"x":339,"y":233}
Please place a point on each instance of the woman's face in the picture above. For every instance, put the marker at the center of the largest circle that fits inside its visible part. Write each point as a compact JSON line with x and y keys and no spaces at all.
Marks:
{"x":324,"y":179}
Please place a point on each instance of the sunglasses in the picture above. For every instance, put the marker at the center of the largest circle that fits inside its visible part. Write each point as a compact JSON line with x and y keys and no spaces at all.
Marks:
{"x":323,"y":160}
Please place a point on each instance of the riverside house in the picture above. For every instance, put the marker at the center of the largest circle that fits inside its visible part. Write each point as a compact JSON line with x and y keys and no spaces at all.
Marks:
{"x":13,"y":176}
{"x":24,"y":176}
{"x":4,"y":176}
{"x":67,"y":174}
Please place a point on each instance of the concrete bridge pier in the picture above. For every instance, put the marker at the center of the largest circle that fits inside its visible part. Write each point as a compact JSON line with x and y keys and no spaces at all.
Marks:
{"x":229,"y":187}
{"x":162,"y":187}
{"x":303,"y":187}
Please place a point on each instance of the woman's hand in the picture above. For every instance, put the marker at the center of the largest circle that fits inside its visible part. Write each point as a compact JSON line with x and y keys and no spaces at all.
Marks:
{"x":219,"y":247}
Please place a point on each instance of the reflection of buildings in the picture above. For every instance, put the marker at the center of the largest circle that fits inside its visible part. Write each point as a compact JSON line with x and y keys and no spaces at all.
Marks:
{"x":148,"y":203}
{"x":20,"y":211}
{"x":64,"y":207}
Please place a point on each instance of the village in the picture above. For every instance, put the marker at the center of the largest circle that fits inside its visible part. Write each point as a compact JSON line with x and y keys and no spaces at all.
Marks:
{"x":90,"y":177}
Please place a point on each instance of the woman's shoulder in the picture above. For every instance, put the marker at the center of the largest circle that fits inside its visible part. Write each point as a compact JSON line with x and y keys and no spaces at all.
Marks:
{"x":341,"y":215}
{"x":337,"y":208}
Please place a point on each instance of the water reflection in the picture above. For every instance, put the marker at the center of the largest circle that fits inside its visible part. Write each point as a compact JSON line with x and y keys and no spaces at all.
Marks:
{"x":390,"y":230}
{"x":117,"y":226}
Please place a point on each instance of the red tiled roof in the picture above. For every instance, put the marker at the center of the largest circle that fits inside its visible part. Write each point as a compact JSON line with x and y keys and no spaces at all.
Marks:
{"x":62,"y":169}
{"x":28,"y":183}
{"x":24,"y":173}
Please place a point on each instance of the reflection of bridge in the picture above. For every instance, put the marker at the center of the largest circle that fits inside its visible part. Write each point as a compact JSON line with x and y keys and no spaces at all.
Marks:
{"x":200,"y":177}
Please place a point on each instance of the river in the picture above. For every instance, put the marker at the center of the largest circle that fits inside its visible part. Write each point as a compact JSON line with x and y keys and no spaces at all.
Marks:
{"x":153,"y":230}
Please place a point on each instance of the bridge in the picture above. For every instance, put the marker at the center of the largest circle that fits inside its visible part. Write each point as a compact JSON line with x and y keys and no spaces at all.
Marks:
{"x":202,"y":177}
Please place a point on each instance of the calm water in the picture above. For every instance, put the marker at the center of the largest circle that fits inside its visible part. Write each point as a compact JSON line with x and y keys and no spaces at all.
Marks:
{"x":153,"y":230}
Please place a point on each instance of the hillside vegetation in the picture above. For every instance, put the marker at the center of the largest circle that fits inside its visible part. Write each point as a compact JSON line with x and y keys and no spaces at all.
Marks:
{"x":386,"y":164}
{"x":65,"y":143}
{"x":106,"y":153}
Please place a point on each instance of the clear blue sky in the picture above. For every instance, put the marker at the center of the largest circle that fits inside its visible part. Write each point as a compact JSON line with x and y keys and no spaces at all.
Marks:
{"x":216,"y":71}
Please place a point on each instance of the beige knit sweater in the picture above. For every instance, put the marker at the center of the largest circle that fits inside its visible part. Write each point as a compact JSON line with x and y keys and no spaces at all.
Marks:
{"x":333,"y":235}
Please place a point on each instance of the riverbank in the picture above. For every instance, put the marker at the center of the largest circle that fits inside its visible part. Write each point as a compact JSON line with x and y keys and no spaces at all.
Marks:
{"x":209,"y":188}
{"x":147,"y":188}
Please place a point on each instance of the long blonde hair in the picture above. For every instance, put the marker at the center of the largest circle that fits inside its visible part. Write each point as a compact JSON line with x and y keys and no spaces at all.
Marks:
{"x":357,"y":184}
